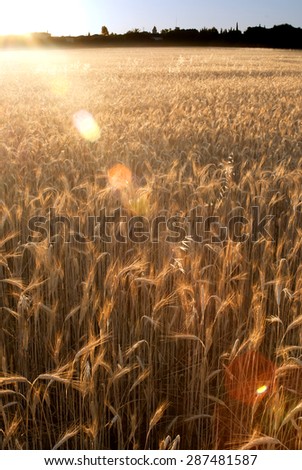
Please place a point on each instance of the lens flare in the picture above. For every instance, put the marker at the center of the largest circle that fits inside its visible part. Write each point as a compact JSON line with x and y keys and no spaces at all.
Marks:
{"x":86,"y":125}
{"x":119,"y":176}
{"x":262,"y":389}
{"x":249,"y":376}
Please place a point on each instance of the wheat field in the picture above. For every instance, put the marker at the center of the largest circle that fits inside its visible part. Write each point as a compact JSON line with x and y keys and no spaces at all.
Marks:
{"x":151,"y":344}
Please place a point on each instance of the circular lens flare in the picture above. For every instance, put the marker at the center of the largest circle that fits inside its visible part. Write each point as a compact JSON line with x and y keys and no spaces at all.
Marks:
{"x":119,"y":176}
{"x":248,"y":377}
{"x":85,"y":123}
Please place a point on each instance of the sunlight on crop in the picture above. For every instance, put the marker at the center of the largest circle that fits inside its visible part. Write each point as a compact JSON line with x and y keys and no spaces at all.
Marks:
{"x":60,"y":86}
{"x":119,"y":176}
{"x":161,"y":328}
{"x":86,"y":125}
{"x":139,"y":205}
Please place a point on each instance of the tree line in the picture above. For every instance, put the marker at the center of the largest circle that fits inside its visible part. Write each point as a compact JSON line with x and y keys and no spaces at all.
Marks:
{"x":280,"y":36}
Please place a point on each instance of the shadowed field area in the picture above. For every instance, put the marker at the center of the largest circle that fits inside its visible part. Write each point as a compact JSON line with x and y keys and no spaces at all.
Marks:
{"x":178,"y":322}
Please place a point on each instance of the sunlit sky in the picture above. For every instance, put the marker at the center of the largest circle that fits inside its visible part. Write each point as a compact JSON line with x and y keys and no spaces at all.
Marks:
{"x":75,"y":17}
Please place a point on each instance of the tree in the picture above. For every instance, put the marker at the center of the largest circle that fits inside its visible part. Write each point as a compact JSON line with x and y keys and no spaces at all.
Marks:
{"x":154,"y":30}
{"x":105,"y":31}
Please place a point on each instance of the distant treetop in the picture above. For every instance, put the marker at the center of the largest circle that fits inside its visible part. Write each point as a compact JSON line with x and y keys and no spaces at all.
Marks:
{"x":105,"y":31}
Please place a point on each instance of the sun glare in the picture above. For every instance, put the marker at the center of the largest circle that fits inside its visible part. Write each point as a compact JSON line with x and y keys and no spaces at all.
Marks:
{"x":21,"y":17}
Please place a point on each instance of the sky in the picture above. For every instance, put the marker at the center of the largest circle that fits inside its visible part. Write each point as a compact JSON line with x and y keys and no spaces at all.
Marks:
{"x":75,"y":17}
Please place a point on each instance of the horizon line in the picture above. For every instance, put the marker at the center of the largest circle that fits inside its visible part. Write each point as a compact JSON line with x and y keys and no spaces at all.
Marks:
{"x":138,"y":30}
